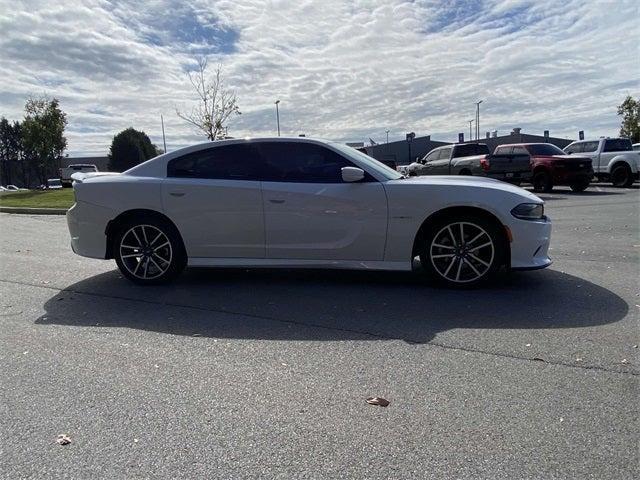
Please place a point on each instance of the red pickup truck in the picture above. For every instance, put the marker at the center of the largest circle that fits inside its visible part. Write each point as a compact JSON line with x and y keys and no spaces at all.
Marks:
{"x":550,"y":166}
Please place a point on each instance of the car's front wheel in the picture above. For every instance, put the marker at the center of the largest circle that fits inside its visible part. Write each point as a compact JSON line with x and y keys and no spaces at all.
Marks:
{"x":462,"y":251}
{"x":149,"y":251}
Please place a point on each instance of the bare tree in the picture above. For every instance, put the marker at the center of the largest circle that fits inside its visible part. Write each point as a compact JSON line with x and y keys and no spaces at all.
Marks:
{"x":216,"y":104}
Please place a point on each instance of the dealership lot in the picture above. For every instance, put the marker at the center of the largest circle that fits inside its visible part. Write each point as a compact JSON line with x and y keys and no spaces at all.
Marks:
{"x":249,"y":373}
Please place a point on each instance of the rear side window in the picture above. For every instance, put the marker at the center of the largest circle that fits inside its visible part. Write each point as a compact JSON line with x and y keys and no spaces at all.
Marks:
{"x":617,"y":145}
{"x":503,"y":150}
{"x":588,"y":147}
{"x":302,"y":163}
{"x":228,"y":162}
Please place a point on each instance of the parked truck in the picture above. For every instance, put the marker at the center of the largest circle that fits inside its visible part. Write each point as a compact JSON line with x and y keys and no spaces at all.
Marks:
{"x":612,"y":159}
{"x":550,"y":166}
{"x":473,"y":159}
{"x":66,"y":172}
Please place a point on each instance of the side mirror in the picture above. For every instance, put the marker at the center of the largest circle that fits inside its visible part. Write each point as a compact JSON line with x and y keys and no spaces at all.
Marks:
{"x":352,"y":174}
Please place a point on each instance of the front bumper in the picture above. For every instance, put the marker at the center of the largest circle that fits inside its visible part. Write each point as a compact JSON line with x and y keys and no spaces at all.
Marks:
{"x":87,"y":225}
{"x":530,"y":245}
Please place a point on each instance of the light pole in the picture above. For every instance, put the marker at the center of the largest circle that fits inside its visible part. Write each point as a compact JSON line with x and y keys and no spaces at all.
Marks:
{"x":387,"y":135}
{"x":470,"y":135}
{"x":164,"y":140}
{"x":278,"y":116}
{"x":478,"y":119}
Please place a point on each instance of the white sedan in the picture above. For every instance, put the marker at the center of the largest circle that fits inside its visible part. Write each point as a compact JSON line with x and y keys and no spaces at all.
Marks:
{"x":299,"y":202}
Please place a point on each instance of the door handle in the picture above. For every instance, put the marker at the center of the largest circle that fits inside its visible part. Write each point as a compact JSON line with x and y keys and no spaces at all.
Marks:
{"x":176,"y":194}
{"x":276,"y":200}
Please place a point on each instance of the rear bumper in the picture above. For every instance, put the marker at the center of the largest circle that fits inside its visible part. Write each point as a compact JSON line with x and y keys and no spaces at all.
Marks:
{"x":87,"y":224}
{"x":510,"y":176}
{"x":530,"y":245}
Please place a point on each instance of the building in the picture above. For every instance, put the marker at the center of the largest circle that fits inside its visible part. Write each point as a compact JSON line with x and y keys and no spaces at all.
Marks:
{"x":403,"y":152}
{"x":516,"y":136}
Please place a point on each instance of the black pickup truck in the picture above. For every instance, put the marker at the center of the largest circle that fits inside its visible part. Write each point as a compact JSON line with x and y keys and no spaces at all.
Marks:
{"x":472,"y":159}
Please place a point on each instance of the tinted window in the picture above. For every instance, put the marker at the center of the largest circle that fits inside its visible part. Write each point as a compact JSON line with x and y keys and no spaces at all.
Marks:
{"x":432,"y":156}
{"x":302,"y":163}
{"x":444,"y":154}
{"x":618,"y":145}
{"x":520,"y":151}
{"x":575,"y":148}
{"x":470,"y":149}
{"x":503,"y":150}
{"x":544,"y":149}
{"x":229,"y":162}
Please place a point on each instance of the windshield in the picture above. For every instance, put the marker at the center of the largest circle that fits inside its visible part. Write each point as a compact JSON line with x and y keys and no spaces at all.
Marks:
{"x":544,"y":149}
{"x":387,"y":172}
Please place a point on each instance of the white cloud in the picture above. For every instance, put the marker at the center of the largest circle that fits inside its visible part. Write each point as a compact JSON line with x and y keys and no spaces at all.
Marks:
{"x":345,"y":70}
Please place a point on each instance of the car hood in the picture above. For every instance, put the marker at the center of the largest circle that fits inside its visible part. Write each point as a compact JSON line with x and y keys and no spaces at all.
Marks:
{"x":468,"y":182}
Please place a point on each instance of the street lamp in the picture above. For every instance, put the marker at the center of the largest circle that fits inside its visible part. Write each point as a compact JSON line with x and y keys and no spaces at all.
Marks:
{"x":478,"y":119}
{"x":470,"y":135}
{"x":387,"y":135}
{"x":278,"y":116}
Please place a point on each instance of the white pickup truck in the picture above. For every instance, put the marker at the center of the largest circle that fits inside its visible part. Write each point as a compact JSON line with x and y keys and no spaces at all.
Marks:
{"x":613,"y":159}
{"x":66,"y":172}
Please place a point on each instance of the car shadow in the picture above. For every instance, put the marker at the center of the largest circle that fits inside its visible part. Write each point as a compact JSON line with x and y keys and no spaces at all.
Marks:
{"x":330,"y":305}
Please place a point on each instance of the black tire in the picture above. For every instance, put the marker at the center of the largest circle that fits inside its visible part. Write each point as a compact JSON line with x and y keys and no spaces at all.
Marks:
{"x":580,"y":185}
{"x":463,"y":262}
{"x":621,"y":176}
{"x":542,"y":182}
{"x":153,"y":263}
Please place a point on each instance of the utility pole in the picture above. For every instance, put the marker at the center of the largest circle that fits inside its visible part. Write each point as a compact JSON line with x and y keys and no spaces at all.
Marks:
{"x":470,"y":135}
{"x":478,"y":119}
{"x":164,"y":140}
{"x":387,"y":135}
{"x":278,"y":116}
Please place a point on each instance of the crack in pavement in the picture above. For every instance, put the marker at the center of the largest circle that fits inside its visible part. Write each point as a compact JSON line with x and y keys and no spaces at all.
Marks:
{"x":333,"y":328}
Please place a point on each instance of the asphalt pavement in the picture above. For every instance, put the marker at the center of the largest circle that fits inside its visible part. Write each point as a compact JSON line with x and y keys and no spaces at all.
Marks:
{"x":264,"y":373}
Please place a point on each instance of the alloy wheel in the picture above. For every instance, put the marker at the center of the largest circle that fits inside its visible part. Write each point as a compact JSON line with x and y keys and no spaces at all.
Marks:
{"x":146,"y":252}
{"x":462,"y":252}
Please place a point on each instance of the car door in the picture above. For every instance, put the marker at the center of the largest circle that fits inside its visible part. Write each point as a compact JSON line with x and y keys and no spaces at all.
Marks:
{"x":311,"y":213}
{"x":440,"y":165}
{"x":590,"y":150}
{"x":214,"y":198}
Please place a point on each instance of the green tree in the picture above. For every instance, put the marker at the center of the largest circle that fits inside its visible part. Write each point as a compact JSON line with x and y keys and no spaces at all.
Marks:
{"x":129,"y":148}
{"x":43,"y":135}
{"x":11,"y":153}
{"x":630,"y":111}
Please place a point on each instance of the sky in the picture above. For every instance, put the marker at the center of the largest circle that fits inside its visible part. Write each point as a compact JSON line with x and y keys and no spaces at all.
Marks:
{"x":342,"y":70}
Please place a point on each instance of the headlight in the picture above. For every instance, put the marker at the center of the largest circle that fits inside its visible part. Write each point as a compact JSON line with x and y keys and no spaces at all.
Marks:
{"x":529,"y":211}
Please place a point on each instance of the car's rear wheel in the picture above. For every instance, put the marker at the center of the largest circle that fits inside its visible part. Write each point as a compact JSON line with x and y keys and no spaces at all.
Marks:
{"x":621,"y":176}
{"x":149,"y":251}
{"x":542,"y":182}
{"x":462,"y":251}
{"x":580,"y":185}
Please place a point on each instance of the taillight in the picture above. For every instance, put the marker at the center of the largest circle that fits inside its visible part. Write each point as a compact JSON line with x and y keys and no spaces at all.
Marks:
{"x":484,"y":163}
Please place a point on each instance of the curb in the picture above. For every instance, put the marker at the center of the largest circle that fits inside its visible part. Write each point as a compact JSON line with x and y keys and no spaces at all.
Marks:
{"x":34,"y":211}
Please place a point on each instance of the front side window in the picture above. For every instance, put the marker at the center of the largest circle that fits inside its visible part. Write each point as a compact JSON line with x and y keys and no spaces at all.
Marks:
{"x":520,"y":151}
{"x":445,"y":153}
{"x":617,"y":145}
{"x":575,"y":148}
{"x":227,"y":162}
{"x":431,"y":156}
{"x":302,"y":163}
